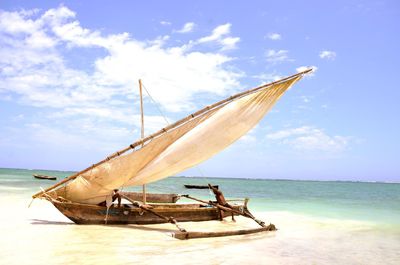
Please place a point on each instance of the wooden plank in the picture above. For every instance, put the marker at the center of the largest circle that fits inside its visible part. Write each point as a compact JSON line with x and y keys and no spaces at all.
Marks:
{"x":152,"y":197}
{"x":245,"y":213}
{"x":192,"y":235}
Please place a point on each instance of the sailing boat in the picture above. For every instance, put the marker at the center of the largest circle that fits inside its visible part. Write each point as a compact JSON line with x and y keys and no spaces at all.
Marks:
{"x":166,"y":152}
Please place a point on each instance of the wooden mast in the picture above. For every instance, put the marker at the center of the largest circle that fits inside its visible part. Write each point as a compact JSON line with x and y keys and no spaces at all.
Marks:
{"x":170,"y":127}
{"x":142,"y":132}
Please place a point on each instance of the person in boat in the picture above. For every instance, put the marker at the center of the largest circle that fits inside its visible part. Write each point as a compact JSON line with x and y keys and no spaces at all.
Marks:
{"x":219,"y":196}
{"x":115,"y":196}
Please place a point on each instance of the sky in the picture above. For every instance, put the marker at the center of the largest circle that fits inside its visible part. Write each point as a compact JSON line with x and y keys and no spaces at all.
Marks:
{"x":69,"y":82}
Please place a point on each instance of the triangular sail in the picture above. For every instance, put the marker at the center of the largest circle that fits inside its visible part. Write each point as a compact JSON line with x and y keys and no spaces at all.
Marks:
{"x":179,"y":148}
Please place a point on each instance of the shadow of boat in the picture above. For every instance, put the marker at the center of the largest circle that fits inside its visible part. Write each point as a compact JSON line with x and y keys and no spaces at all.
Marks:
{"x":46,"y":222}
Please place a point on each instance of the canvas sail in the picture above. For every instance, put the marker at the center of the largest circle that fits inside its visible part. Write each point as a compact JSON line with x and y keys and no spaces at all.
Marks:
{"x":177,"y":149}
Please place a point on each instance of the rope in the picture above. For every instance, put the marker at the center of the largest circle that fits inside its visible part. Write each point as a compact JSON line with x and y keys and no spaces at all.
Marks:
{"x":156,"y":104}
{"x":46,"y":195}
{"x":106,"y":219}
{"x":31,"y":203}
{"x":166,"y":120}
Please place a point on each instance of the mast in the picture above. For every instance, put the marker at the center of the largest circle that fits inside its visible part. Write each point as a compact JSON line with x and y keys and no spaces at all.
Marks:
{"x":142,"y":132}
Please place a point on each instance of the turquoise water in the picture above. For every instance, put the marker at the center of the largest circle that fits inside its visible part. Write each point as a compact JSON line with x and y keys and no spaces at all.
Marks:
{"x":375,"y":202}
{"x":318,"y":223}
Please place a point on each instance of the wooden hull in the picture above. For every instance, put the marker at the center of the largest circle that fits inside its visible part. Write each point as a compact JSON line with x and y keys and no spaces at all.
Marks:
{"x":199,"y":186}
{"x":128,"y":214}
{"x":152,"y":197}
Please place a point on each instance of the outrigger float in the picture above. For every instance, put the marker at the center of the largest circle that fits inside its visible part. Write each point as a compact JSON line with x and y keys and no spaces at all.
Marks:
{"x":167,"y":152}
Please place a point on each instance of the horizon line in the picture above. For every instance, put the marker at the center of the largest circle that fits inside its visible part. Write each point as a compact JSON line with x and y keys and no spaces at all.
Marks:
{"x":243,"y":178}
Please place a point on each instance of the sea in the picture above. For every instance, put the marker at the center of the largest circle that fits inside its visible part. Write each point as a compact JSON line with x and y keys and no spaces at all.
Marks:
{"x":319,"y":222}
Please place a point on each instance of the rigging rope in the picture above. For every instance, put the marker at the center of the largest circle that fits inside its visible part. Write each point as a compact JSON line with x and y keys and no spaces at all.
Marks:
{"x":157,"y":105}
{"x":166,"y":120}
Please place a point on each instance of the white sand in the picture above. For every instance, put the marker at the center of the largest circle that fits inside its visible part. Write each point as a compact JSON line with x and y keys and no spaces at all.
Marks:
{"x":42,"y":235}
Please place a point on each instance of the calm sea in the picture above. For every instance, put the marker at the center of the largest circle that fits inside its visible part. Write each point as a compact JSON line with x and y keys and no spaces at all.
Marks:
{"x":320,"y":222}
{"x":378,"y":202}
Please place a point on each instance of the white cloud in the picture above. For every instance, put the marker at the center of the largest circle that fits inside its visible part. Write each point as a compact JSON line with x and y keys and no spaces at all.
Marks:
{"x":13,"y":22}
{"x":229,"y":43}
{"x":188,"y":27}
{"x":249,"y":137}
{"x":165,"y":23}
{"x":219,"y":35}
{"x":310,"y":138}
{"x":274,"y":56}
{"x":40,"y":40}
{"x":36,"y":70}
{"x":304,"y":68}
{"x":306,"y":99}
{"x":68,"y":136}
{"x":110,"y":114}
{"x":100,"y":102}
{"x":329,"y":55}
{"x":268,"y":77}
{"x":274,"y":36}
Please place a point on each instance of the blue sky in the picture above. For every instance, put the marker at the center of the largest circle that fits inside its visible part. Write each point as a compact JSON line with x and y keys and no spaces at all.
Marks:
{"x":69,"y":90}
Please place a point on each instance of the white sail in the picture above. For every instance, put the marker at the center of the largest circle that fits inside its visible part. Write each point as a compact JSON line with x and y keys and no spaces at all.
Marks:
{"x":178,"y":149}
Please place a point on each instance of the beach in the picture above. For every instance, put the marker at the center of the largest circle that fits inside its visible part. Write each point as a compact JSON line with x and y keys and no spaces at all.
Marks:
{"x":290,"y":107}
{"x":338,"y":223}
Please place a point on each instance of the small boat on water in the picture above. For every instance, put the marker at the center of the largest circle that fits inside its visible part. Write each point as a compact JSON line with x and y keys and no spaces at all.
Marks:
{"x":173,"y":149}
{"x":188,"y":186}
{"x":44,"y":177}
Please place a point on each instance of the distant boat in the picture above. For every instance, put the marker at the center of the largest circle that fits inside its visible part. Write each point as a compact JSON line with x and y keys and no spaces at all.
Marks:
{"x":199,"y":186}
{"x":44,"y":177}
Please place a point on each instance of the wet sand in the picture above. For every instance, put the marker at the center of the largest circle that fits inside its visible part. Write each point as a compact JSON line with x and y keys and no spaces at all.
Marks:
{"x":42,"y":235}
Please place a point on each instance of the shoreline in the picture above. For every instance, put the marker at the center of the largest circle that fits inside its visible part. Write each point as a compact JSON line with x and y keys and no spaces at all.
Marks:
{"x":298,"y":240}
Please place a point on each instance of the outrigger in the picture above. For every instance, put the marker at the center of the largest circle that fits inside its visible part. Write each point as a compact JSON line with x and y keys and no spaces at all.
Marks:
{"x":172,"y":149}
